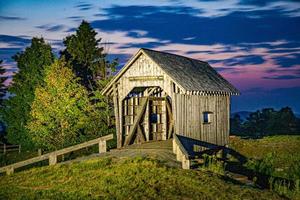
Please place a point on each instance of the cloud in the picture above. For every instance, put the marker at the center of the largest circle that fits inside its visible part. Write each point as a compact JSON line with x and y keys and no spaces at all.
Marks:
{"x":84,"y":6}
{"x":289,"y":60}
{"x":242,"y":60}
{"x":283,"y":77}
{"x":13,"y":41}
{"x":2,"y":18}
{"x":52,"y":28}
{"x":177,"y":23}
{"x":76,"y":18}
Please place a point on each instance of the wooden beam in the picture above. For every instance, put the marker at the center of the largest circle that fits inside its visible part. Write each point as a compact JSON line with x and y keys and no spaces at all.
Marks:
{"x":136,"y":121}
{"x":145,"y":78}
{"x":141,"y":134}
{"x":171,"y":125}
{"x":53,"y":155}
{"x":116,"y":110}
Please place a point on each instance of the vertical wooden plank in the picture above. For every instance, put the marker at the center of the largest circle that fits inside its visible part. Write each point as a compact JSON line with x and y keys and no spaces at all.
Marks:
{"x":117,"y":116}
{"x":228,"y":120}
{"x":164,"y":120}
{"x":147,"y":122}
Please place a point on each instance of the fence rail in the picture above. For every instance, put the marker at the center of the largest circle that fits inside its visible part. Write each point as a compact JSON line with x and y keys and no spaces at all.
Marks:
{"x":4,"y":148}
{"x":52,"y":156}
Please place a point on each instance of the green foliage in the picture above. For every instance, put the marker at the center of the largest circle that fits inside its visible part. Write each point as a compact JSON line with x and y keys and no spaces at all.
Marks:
{"x":284,"y":188}
{"x":264,"y":166}
{"x":100,"y":117}
{"x":58,"y":113}
{"x":62,"y":112}
{"x":211,"y":163}
{"x":110,"y":178}
{"x":31,"y":64}
{"x":87,"y":59}
{"x":236,"y":125}
{"x":3,"y":78}
{"x":266,"y":122}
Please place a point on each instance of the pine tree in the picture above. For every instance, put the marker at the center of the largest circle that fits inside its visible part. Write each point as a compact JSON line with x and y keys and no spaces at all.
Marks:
{"x":31,"y":64}
{"x":88,"y":60}
{"x":3,"y":78}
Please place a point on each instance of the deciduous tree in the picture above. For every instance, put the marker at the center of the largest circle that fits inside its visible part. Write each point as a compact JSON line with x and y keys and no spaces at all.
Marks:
{"x":60,"y":109}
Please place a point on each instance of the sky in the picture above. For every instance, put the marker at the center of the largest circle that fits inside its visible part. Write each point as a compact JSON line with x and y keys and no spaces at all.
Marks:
{"x":254,"y":44}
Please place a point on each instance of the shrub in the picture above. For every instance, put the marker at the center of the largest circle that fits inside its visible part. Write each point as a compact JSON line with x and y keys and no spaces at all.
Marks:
{"x":211,"y":163}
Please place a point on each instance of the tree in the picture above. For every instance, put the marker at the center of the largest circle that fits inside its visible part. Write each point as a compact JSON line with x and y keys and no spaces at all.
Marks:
{"x":3,"y":78}
{"x":236,"y":125}
{"x":271,"y":122}
{"x":101,"y":121}
{"x":31,"y":64}
{"x":87,"y":59}
{"x":285,"y":122}
{"x":60,"y":109}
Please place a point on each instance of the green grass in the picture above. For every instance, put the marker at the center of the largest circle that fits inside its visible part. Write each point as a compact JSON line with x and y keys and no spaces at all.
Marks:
{"x":284,"y":152}
{"x":275,"y":156}
{"x":122,"y":178}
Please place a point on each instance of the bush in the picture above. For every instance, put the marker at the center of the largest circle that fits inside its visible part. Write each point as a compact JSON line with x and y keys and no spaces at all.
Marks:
{"x":211,"y":163}
{"x":264,"y":166}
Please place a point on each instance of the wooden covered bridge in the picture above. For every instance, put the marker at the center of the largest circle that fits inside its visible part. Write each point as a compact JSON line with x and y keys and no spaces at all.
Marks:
{"x":158,"y":94}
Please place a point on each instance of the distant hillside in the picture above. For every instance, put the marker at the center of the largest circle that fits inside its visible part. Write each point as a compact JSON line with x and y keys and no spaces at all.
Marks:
{"x":245,"y":114}
{"x":242,"y":114}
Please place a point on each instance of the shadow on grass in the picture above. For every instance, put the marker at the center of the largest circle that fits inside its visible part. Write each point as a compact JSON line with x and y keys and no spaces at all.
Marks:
{"x":224,"y":153}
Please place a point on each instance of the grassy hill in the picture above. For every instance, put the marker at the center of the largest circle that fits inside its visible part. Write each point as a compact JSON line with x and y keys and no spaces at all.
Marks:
{"x":123,"y":178}
{"x":281,"y":152}
{"x":150,"y":171}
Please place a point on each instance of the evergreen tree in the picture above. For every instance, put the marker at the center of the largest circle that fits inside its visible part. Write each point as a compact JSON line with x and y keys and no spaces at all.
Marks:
{"x":31,"y":64}
{"x":87,"y":59}
{"x":285,"y":122}
{"x":3,"y":88}
{"x":236,"y":125}
{"x":60,"y":111}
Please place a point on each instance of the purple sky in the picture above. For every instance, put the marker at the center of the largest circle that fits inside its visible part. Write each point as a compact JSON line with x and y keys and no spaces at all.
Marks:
{"x":254,"y":44}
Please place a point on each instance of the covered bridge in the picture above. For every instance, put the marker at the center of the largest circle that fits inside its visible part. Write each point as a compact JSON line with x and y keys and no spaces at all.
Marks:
{"x":157,"y":94}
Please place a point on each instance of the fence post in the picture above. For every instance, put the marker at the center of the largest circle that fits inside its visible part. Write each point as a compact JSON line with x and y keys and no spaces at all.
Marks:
{"x":10,"y":171}
{"x":4,"y":148}
{"x":39,"y":152}
{"x":19,"y":148}
{"x":52,"y":159}
{"x":102,"y":146}
{"x":186,"y":163}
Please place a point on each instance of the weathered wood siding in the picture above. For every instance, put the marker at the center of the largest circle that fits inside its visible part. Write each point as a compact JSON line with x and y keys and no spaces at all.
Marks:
{"x":189,"y":117}
{"x":187,"y":107}
{"x":143,"y":67}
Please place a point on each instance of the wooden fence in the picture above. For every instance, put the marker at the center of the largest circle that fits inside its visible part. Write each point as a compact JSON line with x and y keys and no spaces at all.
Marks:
{"x":52,"y":156}
{"x":4,"y":148}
